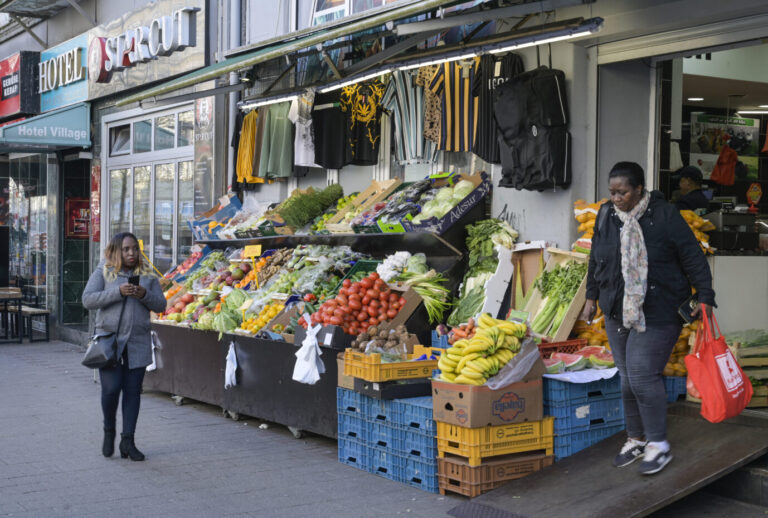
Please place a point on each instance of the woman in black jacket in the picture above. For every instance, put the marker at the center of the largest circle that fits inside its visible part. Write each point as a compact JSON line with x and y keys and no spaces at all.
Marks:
{"x":644,"y":260}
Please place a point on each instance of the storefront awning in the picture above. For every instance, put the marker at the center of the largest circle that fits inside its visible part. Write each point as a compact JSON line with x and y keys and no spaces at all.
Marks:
{"x":263,"y":55}
{"x":61,"y":129}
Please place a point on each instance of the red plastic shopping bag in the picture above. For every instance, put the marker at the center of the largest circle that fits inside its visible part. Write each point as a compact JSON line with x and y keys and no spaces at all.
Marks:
{"x":724,"y":388}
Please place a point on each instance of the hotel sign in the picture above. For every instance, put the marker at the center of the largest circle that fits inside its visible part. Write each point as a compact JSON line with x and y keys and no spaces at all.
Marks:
{"x":62,"y":74}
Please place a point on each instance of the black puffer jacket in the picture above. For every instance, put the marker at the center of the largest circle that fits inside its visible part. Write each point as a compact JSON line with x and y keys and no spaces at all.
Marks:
{"x":675,"y":262}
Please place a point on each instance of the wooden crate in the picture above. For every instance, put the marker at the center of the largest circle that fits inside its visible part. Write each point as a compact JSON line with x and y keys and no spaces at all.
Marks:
{"x":457,"y":476}
{"x":560,"y":257}
{"x":750,"y":356}
{"x":376,"y":192}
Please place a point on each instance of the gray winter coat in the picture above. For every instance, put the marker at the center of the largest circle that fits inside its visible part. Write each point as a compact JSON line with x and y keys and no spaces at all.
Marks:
{"x":134,"y":330}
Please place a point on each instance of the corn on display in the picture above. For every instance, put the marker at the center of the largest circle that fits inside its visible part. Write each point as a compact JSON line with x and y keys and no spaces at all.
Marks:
{"x":471,"y":361}
{"x":700,"y":227}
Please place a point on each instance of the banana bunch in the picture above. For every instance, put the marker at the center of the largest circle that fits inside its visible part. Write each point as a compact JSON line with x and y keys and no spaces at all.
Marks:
{"x":472,"y":361}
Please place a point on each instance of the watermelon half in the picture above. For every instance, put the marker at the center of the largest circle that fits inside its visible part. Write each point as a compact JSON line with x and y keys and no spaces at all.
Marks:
{"x":554,"y":366}
{"x":573,"y":362}
{"x":602,"y":360}
{"x":590,"y":350}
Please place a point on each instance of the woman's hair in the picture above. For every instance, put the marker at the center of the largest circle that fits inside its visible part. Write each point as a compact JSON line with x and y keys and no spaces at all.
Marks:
{"x":114,"y":258}
{"x":631,"y":171}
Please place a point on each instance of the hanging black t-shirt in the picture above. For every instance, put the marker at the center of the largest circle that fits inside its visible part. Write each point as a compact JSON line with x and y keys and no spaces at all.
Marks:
{"x":361,"y":104}
{"x":330,"y":135}
{"x":235,"y":184}
{"x":491,"y":72}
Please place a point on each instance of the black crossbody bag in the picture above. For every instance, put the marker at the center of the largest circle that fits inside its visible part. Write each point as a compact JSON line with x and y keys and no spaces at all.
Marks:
{"x":102,"y":349}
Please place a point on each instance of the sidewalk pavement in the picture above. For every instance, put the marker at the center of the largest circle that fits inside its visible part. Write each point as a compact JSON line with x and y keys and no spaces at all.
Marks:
{"x":199,"y":464}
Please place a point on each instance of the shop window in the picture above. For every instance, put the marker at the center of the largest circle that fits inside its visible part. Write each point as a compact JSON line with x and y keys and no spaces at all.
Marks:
{"x":186,"y":210}
{"x":164,"y":216}
{"x":165,"y":132}
{"x":142,"y":136}
{"x":142,"y":203}
{"x":119,"y":201}
{"x":120,"y":140}
{"x":359,"y":6}
{"x":186,"y":125}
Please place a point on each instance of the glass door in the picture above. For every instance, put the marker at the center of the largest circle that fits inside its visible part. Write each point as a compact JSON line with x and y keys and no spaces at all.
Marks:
{"x":165,"y":203}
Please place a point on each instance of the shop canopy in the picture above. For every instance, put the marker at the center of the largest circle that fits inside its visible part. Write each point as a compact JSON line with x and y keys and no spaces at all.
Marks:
{"x":65,"y":128}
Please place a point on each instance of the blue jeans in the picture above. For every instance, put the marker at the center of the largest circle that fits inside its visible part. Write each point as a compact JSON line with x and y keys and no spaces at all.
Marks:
{"x":640,"y":358}
{"x":128,"y":381}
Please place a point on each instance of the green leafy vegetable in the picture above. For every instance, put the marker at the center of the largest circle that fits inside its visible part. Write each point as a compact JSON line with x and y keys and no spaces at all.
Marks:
{"x":558,"y":287}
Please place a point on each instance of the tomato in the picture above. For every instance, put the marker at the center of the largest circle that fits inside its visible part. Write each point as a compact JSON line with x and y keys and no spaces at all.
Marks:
{"x":384,"y":305}
{"x":336,"y":321}
{"x":374,"y":294}
{"x":373,"y":321}
{"x":372,"y":311}
{"x":374,"y":275}
{"x":394,"y":305}
{"x":382,"y":319}
{"x":354,"y":296}
{"x":362,"y":316}
{"x":364,"y":326}
{"x":331,"y":303}
{"x":342,"y":300}
{"x":338,"y":312}
{"x":347,"y":283}
{"x":374,"y":303}
{"x":346,"y":330}
{"x":391,"y":313}
{"x":355,"y":305}
{"x":366,"y":300}
{"x":393,"y":297}
{"x":366,"y":283}
{"x":383,"y":296}
{"x":402,"y":301}
{"x":380,"y":285}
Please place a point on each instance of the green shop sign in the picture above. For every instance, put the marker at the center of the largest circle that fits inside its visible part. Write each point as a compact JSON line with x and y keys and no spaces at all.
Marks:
{"x":68,"y":127}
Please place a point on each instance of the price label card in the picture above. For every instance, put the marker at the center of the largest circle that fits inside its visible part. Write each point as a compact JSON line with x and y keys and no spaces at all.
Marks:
{"x":328,"y":338}
{"x":246,"y":304}
{"x":252,"y":251}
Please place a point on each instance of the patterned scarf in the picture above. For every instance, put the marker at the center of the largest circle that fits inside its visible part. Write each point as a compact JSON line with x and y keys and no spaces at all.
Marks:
{"x":634,"y":264}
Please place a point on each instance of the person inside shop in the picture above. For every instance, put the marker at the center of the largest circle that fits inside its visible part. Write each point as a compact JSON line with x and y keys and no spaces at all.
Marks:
{"x":691,"y":195}
{"x":643,"y":255}
{"x":123,"y":290}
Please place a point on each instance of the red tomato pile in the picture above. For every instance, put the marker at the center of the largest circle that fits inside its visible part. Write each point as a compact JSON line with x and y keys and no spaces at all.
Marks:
{"x":359,"y":306}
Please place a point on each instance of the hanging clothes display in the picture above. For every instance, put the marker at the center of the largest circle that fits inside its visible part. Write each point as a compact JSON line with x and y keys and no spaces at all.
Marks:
{"x":249,"y":148}
{"x":432,"y":106}
{"x":300,"y":115}
{"x":404,"y":99}
{"x":277,"y":142}
{"x":453,"y":82}
{"x":491,"y":72}
{"x":724,"y":171}
{"x":361,"y":104}
{"x":235,"y":183}
{"x":329,"y":131}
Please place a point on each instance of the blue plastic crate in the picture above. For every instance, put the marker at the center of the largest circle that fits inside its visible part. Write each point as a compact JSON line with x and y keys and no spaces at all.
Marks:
{"x":562,"y":393}
{"x":421,"y":474}
{"x":586,"y":416}
{"x":384,"y":435}
{"x":415,"y":413}
{"x":567,"y":445}
{"x":418,"y":445}
{"x":380,"y":410}
{"x":353,"y":426}
{"x":354,"y":453}
{"x":386,"y":463}
{"x":351,"y":402}
{"x":440,"y":341}
{"x":675,"y":387}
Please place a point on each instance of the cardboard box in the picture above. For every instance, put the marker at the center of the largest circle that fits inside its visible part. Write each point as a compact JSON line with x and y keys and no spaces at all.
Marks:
{"x":496,"y":286}
{"x":528,"y":259}
{"x":558,"y":257}
{"x":344,"y":381}
{"x":471,"y":406}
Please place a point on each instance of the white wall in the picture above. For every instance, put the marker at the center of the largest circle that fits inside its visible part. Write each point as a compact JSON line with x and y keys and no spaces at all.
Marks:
{"x":746,"y":64}
{"x":549,"y":215}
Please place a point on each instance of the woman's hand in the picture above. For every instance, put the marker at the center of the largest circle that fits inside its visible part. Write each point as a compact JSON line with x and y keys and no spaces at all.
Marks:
{"x":139,"y":292}
{"x":127,"y":290}
{"x":696,"y":313}
{"x":588,"y":313}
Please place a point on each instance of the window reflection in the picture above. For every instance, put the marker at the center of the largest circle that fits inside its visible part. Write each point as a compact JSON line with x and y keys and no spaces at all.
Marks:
{"x":186,"y":126}
{"x":142,"y":136}
{"x":186,"y":207}
{"x":164,"y":217}
{"x":119,"y":201}
{"x":165,"y":132}
{"x":142,"y":208}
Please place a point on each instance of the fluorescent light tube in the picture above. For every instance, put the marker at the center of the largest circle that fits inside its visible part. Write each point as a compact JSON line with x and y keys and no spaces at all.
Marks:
{"x":355,"y":80}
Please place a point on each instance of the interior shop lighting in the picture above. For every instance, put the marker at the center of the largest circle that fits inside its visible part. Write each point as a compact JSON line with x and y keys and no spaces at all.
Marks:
{"x":249,"y":105}
{"x":438,"y":61}
{"x":695,"y":99}
{"x":359,"y":79}
{"x":752,"y":112}
{"x":590,"y":27}
{"x":763,"y":106}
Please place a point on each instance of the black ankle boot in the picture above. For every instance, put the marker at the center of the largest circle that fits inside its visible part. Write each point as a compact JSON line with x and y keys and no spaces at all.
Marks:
{"x":108,"y":448}
{"x":128,"y":448}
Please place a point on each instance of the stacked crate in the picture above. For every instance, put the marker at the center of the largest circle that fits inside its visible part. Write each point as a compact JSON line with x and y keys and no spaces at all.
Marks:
{"x":585,"y":413}
{"x":394,"y":439}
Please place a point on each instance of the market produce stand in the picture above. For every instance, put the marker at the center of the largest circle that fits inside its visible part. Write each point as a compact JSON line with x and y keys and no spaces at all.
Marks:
{"x":191,"y":363}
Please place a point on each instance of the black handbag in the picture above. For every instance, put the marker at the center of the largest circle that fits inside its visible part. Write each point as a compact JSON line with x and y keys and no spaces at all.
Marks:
{"x":102,"y":349}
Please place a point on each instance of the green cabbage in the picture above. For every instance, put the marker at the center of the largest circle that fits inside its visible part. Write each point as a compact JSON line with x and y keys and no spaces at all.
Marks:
{"x":446,"y":193}
{"x":462,"y":189}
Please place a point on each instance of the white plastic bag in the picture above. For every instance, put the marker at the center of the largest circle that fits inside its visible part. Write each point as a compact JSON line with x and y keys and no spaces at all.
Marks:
{"x":230,"y":373}
{"x":518,"y":367}
{"x":309,"y":366}
{"x":152,"y":366}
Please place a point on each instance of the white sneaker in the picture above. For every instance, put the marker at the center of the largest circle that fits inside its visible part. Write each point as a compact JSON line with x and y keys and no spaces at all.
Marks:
{"x":630,"y":452}
{"x":654,"y":460}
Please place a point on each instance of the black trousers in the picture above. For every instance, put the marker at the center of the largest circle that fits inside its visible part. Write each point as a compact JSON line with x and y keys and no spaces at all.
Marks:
{"x":119,"y":379}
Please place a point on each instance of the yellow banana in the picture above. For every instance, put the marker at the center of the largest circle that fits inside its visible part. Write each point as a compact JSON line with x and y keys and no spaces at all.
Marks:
{"x":486,"y":321}
{"x":476,"y":365}
{"x":454,"y":357}
{"x":469,"y":373}
{"x":447,"y":376}
{"x":478,"y":348}
{"x":469,"y":381}
{"x":465,"y":359}
{"x":448,"y":362}
{"x":445,"y":367}
{"x":460,"y":344}
{"x":454,"y":350}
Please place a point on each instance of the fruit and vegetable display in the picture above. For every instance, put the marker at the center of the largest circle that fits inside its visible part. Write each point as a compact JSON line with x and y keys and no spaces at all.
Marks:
{"x":318,"y":227}
{"x":586,"y":215}
{"x":472,"y":361}
{"x":590,"y":357}
{"x":412,"y":271}
{"x":676,"y":364}
{"x":254,"y":323}
{"x":436,"y":203}
{"x":187,"y":265}
{"x":595,"y":333}
{"x":699,"y":226}
{"x":558,"y":288}
{"x":482,"y":238}
{"x":392,"y":344}
{"x":466,"y":330}
{"x":303,"y":206}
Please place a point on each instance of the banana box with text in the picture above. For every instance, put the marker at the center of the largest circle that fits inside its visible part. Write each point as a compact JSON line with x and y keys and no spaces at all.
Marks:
{"x":471,"y":406}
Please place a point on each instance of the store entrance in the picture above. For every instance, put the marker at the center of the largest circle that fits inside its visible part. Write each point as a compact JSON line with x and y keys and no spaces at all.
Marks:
{"x":75,"y":184}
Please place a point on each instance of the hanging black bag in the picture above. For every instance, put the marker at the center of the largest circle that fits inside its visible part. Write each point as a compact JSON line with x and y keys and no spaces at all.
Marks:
{"x":102,"y":349}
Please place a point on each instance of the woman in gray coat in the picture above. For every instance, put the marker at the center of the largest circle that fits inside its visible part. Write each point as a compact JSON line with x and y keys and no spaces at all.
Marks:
{"x":107,"y":291}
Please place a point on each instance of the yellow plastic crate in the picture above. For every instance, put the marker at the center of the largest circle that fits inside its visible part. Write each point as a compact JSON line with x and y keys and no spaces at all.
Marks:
{"x":370,"y":368}
{"x":489,"y":441}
